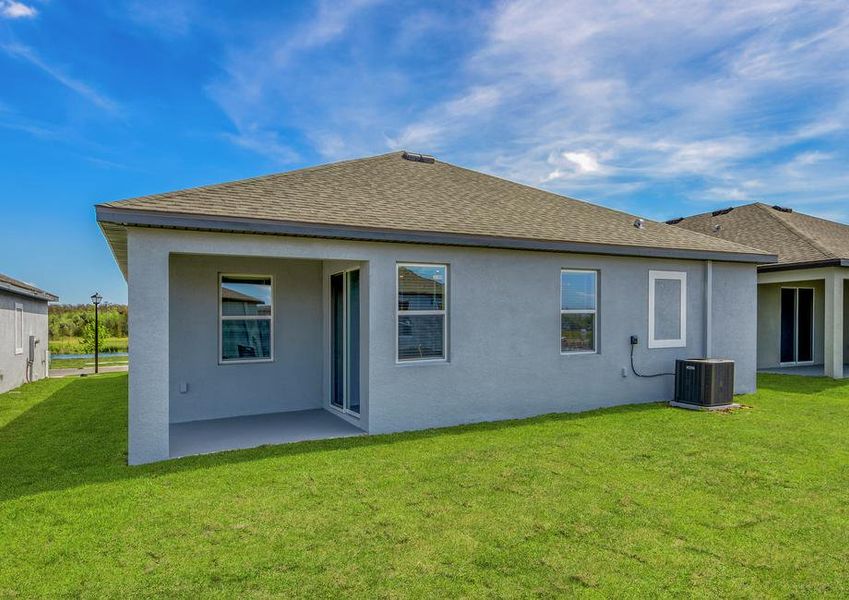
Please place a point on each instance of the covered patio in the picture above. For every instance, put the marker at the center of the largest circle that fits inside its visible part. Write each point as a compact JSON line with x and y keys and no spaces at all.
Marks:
{"x":802,"y":313}
{"x":804,"y":370}
{"x":242,"y":345}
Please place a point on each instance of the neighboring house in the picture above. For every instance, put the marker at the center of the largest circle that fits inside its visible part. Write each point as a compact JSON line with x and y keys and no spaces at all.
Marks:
{"x":23,"y":332}
{"x":398,"y":292}
{"x":803,"y":317}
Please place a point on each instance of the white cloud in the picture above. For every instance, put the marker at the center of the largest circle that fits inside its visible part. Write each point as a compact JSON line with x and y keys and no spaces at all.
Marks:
{"x":809,"y":158}
{"x":258,"y":77}
{"x":264,"y":142}
{"x":709,"y":93}
{"x":584,"y":161}
{"x":83,"y":89}
{"x":172,"y":18}
{"x":10,"y":9}
{"x":705,"y":101}
{"x":455,"y":116}
{"x":573,"y":164}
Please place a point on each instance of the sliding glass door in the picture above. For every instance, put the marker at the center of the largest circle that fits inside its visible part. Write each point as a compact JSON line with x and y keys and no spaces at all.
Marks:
{"x":797,"y":326}
{"x":345,"y":341}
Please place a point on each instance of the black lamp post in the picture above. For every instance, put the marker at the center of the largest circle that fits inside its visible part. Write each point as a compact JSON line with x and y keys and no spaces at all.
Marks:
{"x":95,"y":299}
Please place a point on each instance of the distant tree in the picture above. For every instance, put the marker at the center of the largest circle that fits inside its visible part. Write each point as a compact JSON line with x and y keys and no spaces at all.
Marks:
{"x":87,"y":341}
{"x":69,"y":320}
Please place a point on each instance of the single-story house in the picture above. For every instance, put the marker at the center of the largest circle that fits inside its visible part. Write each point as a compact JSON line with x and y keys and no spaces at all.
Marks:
{"x":803,"y":317}
{"x":400,"y":292}
{"x":23,"y":333}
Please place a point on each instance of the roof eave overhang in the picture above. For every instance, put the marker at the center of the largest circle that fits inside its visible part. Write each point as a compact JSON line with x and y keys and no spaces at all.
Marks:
{"x":141,"y":218}
{"x":812,"y":264}
{"x":36,"y":295}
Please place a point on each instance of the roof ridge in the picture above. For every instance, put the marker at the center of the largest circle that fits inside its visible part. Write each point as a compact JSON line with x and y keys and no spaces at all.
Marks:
{"x":710,"y":212}
{"x":594,"y":205}
{"x":787,"y":224}
{"x":224,"y":184}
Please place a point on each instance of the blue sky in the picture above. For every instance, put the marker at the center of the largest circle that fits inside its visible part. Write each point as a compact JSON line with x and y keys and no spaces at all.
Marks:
{"x":658,"y":108}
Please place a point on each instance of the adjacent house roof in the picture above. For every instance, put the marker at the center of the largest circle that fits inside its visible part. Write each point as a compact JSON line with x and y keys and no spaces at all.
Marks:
{"x":799,"y":240}
{"x":25,"y":289}
{"x":410,"y":198}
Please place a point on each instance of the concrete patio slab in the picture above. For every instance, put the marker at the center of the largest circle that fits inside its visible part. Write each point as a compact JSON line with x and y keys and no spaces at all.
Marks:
{"x":215,"y":435}
{"x":806,"y":370}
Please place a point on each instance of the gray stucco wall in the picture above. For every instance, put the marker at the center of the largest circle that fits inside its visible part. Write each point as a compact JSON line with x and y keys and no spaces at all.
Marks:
{"x":734,"y":321}
{"x":769,"y":321}
{"x":503,"y":347}
{"x":293,"y":381}
{"x":504,"y":359}
{"x":13,"y":367}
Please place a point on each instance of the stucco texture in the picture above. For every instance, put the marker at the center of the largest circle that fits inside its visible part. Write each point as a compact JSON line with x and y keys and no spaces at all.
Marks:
{"x":504,"y":357}
{"x":291,"y":382}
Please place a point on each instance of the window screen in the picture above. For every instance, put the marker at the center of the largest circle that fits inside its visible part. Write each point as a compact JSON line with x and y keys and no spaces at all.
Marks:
{"x":578,"y":311}
{"x":246,"y":315}
{"x":421,"y":311}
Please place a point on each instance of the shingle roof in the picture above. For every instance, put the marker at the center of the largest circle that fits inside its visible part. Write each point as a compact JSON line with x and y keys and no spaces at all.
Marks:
{"x":25,"y":289}
{"x":387,"y":192}
{"x":793,"y":236}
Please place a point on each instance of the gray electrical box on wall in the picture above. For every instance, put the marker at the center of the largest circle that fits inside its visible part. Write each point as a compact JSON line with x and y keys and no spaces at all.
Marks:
{"x":704,"y":382}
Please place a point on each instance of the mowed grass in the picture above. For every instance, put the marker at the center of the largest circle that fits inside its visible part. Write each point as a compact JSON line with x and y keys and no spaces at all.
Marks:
{"x":639,"y":501}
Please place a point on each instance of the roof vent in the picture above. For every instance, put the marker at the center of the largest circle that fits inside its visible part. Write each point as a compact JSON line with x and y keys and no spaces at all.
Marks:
{"x":674,"y":221}
{"x":723,"y":211}
{"x":422,"y":158}
{"x":716,"y":227}
{"x":640,"y":223}
{"x":782,"y":209}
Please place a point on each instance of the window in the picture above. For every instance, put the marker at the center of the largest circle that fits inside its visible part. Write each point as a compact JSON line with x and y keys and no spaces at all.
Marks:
{"x":19,"y":328}
{"x":246,"y":318}
{"x":578,"y":311}
{"x":667,"y":309}
{"x":421,"y":312}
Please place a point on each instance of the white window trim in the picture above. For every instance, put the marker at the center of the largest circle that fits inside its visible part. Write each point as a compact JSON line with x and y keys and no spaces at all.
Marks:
{"x":582,"y":311}
{"x":681,"y":276}
{"x":444,"y":311}
{"x":19,"y":327}
{"x":222,"y":318}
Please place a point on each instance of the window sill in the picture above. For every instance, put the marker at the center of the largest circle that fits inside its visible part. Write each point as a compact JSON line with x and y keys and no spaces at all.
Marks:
{"x":581,"y":353}
{"x":246,"y":362}
{"x":662,"y":345}
{"x":422,"y":362}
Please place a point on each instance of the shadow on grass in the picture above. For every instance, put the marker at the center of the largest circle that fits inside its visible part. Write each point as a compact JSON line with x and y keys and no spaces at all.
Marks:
{"x":78,"y":436}
{"x":800,"y":384}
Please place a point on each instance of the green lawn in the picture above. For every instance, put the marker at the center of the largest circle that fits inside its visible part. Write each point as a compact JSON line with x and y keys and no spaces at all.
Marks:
{"x":639,"y":501}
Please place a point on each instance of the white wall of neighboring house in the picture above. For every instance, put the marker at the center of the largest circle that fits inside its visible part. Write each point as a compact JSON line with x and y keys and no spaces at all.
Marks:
{"x":31,"y":318}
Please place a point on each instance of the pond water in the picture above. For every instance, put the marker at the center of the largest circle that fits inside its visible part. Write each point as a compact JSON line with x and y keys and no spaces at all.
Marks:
{"x":91,"y":356}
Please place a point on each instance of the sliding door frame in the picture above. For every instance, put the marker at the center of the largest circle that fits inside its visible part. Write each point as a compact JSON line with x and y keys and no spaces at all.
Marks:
{"x":346,"y":342}
{"x":797,"y":362}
